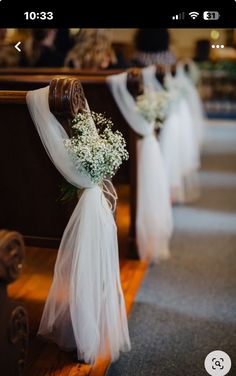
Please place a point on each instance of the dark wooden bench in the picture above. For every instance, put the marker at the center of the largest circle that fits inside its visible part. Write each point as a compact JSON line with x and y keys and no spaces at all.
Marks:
{"x":30,"y":184}
{"x":14,"y":328}
{"x":20,"y":71}
{"x":100,"y":100}
{"x":97,"y":93}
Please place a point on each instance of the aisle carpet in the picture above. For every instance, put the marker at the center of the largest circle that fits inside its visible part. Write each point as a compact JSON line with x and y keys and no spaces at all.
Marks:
{"x":186,"y":307}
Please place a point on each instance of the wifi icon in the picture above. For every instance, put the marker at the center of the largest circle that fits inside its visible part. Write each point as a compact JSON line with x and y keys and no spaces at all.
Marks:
{"x":193,"y":15}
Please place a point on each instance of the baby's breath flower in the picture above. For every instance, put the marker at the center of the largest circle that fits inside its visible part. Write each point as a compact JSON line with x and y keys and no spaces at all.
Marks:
{"x":176,"y":89}
{"x":153,"y":106}
{"x":96,"y":151}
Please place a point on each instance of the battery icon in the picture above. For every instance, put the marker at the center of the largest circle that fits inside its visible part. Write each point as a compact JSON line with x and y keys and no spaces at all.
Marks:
{"x":211,"y":15}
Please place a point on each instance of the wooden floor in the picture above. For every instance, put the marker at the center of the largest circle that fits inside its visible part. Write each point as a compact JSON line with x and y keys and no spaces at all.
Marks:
{"x":32,"y":288}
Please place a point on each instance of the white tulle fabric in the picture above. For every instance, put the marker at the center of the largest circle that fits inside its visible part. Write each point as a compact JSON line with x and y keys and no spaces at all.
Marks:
{"x":85,"y":307}
{"x":178,"y":142}
{"x":149,"y":78}
{"x":181,"y":153}
{"x":194,"y":103}
{"x":154,"y":216}
{"x":194,"y":72}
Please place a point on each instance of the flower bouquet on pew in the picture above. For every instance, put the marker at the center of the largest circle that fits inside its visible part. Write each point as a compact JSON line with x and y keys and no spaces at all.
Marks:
{"x":153,"y":106}
{"x":98,"y":152}
{"x":175,"y":87}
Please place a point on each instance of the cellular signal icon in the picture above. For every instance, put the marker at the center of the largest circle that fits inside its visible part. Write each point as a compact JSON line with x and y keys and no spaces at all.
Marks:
{"x":179,"y":16}
{"x":193,"y":15}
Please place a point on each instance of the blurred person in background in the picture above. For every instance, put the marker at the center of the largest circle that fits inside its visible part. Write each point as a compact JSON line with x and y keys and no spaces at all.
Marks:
{"x":152,"y":47}
{"x":39,"y":50}
{"x":93,"y":50}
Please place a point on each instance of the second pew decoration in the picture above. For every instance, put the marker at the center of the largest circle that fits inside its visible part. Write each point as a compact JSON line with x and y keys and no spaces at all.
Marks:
{"x":154,"y":217}
{"x":96,"y":151}
{"x":153,"y":106}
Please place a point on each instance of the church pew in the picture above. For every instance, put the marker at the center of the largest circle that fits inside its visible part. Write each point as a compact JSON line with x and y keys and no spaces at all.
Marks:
{"x":20,"y":71}
{"x":14,"y":328}
{"x":32,"y":82}
{"x":100,"y":100}
{"x":30,"y":184}
{"x":97,"y":94}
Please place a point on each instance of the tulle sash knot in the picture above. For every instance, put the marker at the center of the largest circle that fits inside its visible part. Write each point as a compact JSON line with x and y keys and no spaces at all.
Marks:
{"x":110,"y":194}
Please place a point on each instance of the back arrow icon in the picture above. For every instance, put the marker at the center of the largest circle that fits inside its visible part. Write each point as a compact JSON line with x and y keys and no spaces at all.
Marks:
{"x":17,"y":46}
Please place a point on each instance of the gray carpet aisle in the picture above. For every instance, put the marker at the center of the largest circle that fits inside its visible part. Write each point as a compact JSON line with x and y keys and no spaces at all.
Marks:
{"x":186,"y":307}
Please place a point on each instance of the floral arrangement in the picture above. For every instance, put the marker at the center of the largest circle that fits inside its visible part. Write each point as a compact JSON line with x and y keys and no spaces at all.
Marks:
{"x":153,"y":106}
{"x":176,"y":88}
{"x":94,"y":148}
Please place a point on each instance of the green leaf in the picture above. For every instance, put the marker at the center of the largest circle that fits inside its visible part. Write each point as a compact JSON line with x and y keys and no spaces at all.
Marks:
{"x":68,"y":192}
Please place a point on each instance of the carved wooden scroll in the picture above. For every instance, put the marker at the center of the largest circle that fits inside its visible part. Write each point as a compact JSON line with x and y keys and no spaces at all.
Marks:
{"x":161,"y":70}
{"x":11,"y":256}
{"x":66,"y":99}
{"x":13,"y":316}
{"x":135,"y":83}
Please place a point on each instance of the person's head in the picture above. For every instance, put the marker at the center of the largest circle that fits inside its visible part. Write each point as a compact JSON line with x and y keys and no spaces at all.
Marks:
{"x":152,"y":40}
{"x":92,"y":50}
{"x":44,"y":36}
{"x":39,"y":39}
{"x":152,"y":48}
